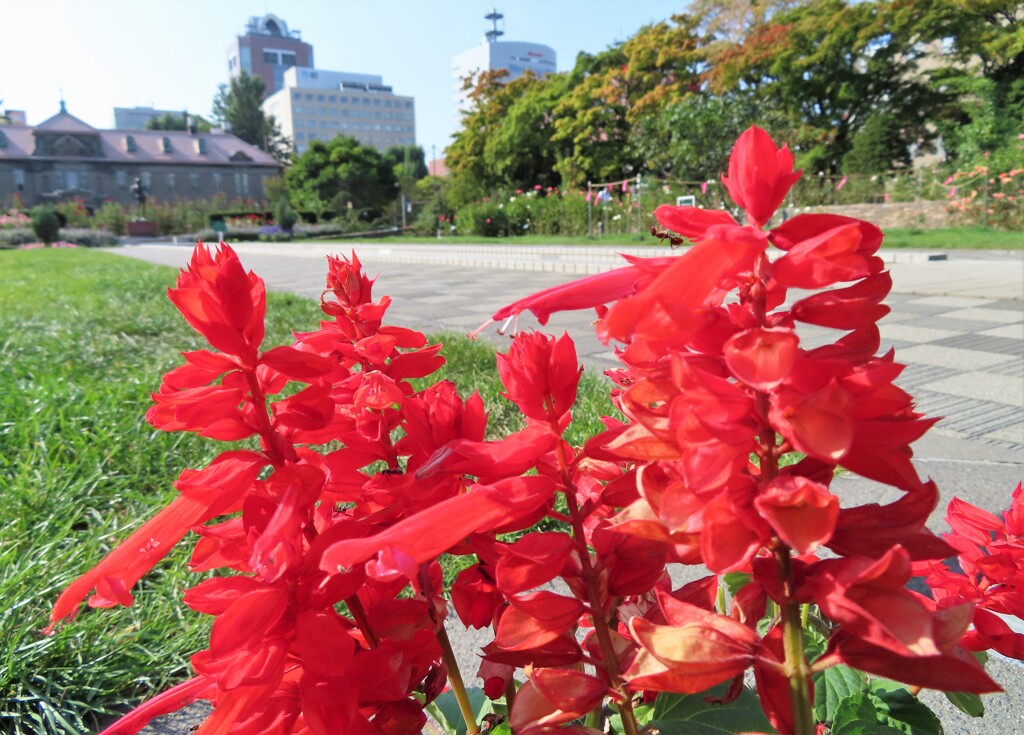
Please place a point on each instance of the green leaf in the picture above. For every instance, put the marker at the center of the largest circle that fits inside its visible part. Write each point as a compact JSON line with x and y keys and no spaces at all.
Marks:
{"x":968,"y":703}
{"x":906,"y":713}
{"x":445,"y":709}
{"x":690,"y":714}
{"x":857,"y":715}
{"x":832,"y":686}
{"x":735,"y":581}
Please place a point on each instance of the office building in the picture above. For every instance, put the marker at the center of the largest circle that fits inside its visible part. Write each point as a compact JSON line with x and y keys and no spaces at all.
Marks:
{"x":316,"y":104}
{"x":267,"y":50}
{"x":516,"y":57}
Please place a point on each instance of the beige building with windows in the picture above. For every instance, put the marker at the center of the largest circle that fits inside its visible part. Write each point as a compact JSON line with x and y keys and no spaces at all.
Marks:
{"x":65,"y":157}
{"x":319,"y":105}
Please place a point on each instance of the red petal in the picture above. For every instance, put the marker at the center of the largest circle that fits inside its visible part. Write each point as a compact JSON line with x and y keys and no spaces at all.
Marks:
{"x":762,"y":358}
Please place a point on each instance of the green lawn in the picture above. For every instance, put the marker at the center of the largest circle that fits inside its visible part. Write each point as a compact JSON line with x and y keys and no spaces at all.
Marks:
{"x":950,"y":238}
{"x":84,"y":337}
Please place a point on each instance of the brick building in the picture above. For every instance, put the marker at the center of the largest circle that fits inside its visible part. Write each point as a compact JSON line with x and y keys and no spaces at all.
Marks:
{"x":65,"y":157}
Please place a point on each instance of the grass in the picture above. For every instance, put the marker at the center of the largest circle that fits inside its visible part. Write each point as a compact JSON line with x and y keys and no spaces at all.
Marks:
{"x":84,"y":337}
{"x":948,"y":238}
{"x":954,"y":238}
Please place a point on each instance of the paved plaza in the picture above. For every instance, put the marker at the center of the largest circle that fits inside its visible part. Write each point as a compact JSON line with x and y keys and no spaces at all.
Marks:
{"x":957,"y":323}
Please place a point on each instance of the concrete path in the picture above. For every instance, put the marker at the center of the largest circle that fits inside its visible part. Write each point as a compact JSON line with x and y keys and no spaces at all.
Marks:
{"x":957,"y":322}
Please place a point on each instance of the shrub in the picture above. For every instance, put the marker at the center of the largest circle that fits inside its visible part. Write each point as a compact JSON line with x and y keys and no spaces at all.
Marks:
{"x":486,"y":219}
{"x":45,"y":224}
{"x":284,"y":216}
{"x":111,"y":217}
{"x":90,"y":238}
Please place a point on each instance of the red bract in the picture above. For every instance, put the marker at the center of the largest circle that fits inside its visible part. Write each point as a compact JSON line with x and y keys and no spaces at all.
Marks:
{"x":760,"y":175}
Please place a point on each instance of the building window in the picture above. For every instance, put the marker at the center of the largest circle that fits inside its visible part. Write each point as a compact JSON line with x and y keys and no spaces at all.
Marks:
{"x":3,"y":140}
{"x":408,"y":105}
{"x":193,"y":182}
{"x":297,"y":110}
{"x":387,"y":103}
{"x":376,"y":102}
{"x":19,"y":179}
{"x":270,"y":57}
{"x":319,"y":98}
{"x":45,"y":180}
{"x":387,"y":115}
{"x":61,"y":180}
{"x":147,"y":180}
{"x":170,"y":183}
{"x":166,"y":145}
{"x":245,"y":184}
{"x":343,"y":100}
{"x":309,"y":98}
{"x":300,"y":123}
{"x":334,"y":112}
{"x":344,"y":126}
{"x":129,"y":144}
{"x":120,"y":180}
{"x":321,"y":111}
{"x":300,"y":135}
{"x":217,"y":184}
{"x":332,"y":99}
{"x":344,"y":113}
{"x":83,"y":180}
{"x":238,"y":184}
{"x":287,"y":59}
{"x":334,"y":124}
{"x":377,"y":115}
{"x":296,"y":95}
{"x":323,"y":123}
{"x":366,"y":101}
{"x":201,"y":144}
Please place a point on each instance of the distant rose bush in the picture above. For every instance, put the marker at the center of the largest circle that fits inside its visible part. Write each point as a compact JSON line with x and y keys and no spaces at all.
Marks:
{"x":327,"y":522}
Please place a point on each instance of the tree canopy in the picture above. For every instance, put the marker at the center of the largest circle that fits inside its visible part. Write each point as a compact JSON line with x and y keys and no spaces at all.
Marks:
{"x":238,"y":105}
{"x":344,"y":174}
{"x":855,"y":86}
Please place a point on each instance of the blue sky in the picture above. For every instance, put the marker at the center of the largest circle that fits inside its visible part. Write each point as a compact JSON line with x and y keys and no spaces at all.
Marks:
{"x":171,"y":54}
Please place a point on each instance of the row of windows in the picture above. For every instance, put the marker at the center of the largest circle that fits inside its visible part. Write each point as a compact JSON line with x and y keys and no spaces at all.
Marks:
{"x":71,"y":180}
{"x":333,"y":124}
{"x":282,"y":59}
{"x":131,"y":146}
{"x":333,"y":112}
{"x":344,"y":100}
{"x":301,"y":135}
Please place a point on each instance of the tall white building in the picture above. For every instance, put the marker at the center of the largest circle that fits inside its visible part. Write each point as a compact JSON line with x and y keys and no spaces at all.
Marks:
{"x":517,"y":57}
{"x":315,"y":104}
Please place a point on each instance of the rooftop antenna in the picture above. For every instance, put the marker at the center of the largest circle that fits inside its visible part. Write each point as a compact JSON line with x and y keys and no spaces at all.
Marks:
{"x":494,"y":16}
{"x":62,"y":107}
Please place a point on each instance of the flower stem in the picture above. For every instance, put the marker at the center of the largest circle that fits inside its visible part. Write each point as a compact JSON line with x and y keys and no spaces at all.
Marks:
{"x":455,"y":679}
{"x":796,"y":666}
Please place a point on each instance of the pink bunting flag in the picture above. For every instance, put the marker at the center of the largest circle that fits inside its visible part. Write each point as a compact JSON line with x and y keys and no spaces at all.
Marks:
{"x":588,"y":197}
{"x":703,"y":187}
{"x":624,"y":184}
{"x":841,"y":184}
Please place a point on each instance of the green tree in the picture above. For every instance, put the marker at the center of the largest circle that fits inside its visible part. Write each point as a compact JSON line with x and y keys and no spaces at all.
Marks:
{"x":343,"y":171}
{"x":832,"y":64}
{"x":173,"y":121}
{"x":613,"y":95}
{"x":45,"y":224}
{"x":877,"y":147}
{"x":238,"y":106}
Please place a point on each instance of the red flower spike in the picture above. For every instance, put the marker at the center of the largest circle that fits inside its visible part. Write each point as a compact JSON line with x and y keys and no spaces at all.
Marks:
{"x":540,"y":375}
{"x":475,"y":598}
{"x":760,"y":175}
{"x":554,"y":696}
{"x":222,"y":302}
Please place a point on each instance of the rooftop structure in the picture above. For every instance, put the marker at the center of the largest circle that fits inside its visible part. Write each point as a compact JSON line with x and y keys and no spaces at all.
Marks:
{"x":516,"y":57}
{"x":267,"y":50}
